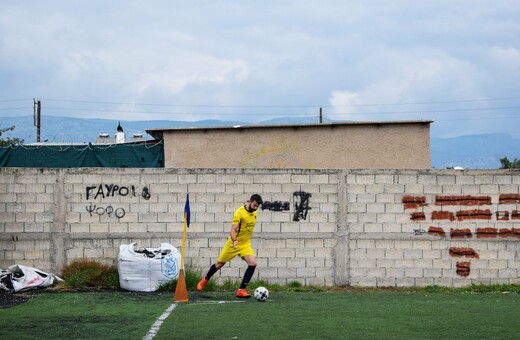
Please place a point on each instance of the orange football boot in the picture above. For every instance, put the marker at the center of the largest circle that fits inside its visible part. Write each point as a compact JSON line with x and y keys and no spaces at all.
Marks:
{"x":242,"y":293}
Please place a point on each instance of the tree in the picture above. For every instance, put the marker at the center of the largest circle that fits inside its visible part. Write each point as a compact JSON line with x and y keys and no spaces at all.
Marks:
{"x":9,"y":141}
{"x":507,"y":164}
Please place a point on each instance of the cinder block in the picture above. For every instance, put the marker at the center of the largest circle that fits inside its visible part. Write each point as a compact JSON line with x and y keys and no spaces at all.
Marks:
{"x":377,"y":208}
{"x":314,"y":243}
{"x":414,"y":272}
{"x":384,"y":179}
{"x":423,"y":281}
{"x":319,"y":179}
{"x":156,"y":227}
{"x":302,"y":252}
{"x":262,"y":178}
{"x":406,"y":264}
{"x":362,"y":281}
{"x":363,"y":263}
{"x":406,"y":179}
{"x":285,"y":252}
{"x":326,"y":227}
{"x":386,"y":282}
{"x":372,"y":253}
{"x":35,"y":227}
{"x":373,"y":228}
{"x":296,"y":262}
{"x":281,"y":178}
{"x":277,"y":262}
{"x":118,"y":227}
{"x":326,"y":253}
{"x":397,"y":273}
{"x":318,"y":262}
{"x":365,"y":179}
{"x":314,"y":281}
{"x":275,"y":244}
{"x":354,"y":189}
{"x":489,"y":189}
{"x":305,"y":272}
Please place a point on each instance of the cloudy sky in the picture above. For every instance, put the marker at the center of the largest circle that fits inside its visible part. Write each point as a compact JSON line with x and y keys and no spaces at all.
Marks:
{"x":456,"y":62}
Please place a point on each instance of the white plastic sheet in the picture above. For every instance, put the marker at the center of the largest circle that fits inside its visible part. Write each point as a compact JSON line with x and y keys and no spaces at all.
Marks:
{"x":19,"y":278}
{"x":145,"y":269}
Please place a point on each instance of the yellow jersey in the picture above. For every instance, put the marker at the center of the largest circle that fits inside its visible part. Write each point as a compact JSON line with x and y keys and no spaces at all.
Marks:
{"x":246,"y":225}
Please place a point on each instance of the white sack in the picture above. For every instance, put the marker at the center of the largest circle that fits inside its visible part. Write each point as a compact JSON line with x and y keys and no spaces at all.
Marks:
{"x":145,"y":269}
{"x":19,"y":278}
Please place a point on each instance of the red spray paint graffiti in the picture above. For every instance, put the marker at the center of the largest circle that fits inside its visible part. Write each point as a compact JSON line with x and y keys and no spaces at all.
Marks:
{"x":464,"y":268}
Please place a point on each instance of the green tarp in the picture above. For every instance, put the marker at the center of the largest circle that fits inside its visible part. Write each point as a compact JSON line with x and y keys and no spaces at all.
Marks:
{"x":127,"y":155}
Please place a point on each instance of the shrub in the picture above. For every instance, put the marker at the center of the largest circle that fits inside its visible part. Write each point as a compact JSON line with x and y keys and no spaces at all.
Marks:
{"x":85,"y":273}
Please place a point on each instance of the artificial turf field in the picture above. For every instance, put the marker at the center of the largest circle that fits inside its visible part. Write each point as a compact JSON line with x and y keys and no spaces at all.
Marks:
{"x":286,"y":315}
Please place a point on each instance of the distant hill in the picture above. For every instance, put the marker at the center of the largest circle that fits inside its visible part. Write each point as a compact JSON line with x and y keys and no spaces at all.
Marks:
{"x":481,"y":151}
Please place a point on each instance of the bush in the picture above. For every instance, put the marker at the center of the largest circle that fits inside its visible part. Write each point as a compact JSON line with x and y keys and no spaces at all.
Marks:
{"x":85,"y":273}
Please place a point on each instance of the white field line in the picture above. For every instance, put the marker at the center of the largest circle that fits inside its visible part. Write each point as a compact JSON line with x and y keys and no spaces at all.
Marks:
{"x":155,"y":327}
{"x":157,"y":324}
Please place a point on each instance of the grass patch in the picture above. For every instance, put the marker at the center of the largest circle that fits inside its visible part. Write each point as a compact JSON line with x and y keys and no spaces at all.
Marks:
{"x":84,"y":273}
{"x":347,"y":315}
{"x":84,"y":315}
{"x":331,"y":314}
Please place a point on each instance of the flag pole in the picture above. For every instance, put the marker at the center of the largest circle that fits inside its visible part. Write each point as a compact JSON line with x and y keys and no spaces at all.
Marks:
{"x":181,"y":292}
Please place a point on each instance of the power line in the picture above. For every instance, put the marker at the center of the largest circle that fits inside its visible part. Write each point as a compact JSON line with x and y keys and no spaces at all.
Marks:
{"x":287,"y":113}
{"x":16,"y":108}
{"x":13,"y":100}
{"x":425,"y":111}
{"x":284,"y":106}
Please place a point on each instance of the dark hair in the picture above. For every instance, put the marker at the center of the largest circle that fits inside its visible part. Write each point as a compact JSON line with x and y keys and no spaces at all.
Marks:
{"x":257,"y":198}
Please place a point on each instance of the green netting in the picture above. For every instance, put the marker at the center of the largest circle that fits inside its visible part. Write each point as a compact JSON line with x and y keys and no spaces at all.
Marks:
{"x":143,"y":155}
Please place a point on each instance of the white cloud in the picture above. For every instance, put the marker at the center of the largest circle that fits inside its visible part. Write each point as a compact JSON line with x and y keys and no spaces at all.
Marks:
{"x":273,"y":53}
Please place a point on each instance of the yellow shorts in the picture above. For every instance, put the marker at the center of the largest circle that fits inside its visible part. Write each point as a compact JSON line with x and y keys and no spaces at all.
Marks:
{"x":228,"y":253}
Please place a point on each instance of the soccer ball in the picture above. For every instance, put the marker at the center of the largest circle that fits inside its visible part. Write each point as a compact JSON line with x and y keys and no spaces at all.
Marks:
{"x":261,"y":294}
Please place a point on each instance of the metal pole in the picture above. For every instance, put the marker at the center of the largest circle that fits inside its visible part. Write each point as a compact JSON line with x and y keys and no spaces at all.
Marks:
{"x":38,"y":120}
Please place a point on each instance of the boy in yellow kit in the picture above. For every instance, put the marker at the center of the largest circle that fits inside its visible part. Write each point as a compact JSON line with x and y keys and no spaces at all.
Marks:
{"x":239,"y":243}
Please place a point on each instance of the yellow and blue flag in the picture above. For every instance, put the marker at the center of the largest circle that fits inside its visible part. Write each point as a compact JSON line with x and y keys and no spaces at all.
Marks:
{"x":187,"y":211}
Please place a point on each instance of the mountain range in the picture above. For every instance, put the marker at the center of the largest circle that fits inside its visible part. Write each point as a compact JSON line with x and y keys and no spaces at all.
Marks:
{"x":479,"y":151}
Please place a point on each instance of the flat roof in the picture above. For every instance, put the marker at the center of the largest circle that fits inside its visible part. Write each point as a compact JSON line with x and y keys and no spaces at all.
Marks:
{"x":157,"y":133}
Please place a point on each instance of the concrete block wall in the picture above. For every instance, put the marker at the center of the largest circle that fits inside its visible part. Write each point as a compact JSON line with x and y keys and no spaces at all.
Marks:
{"x":49,"y":217}
{"x":360,"y":227}
{"x":445,"y":227}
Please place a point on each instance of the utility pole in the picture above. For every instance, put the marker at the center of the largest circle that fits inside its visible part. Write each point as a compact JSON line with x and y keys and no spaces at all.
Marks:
{"x":321,"y":115}
{"x":37,"y":105}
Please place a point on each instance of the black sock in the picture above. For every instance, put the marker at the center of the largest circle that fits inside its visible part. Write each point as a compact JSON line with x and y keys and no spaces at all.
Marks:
{"x":247,"y":276}
{"x":212,"y":270}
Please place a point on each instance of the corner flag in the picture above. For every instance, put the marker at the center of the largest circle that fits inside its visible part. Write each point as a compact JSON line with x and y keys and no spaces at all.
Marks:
{"x":187,"y":211}
{"x":181,"y":292}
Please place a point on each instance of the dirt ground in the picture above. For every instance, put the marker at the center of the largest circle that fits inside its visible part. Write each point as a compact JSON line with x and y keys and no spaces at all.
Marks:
{"x":8,"y":300}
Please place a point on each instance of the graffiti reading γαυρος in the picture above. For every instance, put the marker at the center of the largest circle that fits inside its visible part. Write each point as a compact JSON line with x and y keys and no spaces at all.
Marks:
{"x":111,"y":190}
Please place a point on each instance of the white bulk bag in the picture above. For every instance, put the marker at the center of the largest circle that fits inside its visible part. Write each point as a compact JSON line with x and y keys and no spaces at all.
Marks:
{"x":145,"y":269}
{"x":18,"y":278}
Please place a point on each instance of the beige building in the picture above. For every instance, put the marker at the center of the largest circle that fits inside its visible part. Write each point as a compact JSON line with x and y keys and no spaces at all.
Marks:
{"x":352,"y":145}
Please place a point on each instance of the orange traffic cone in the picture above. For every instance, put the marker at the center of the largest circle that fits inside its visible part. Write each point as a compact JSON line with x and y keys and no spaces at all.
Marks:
{"x":181,"y":292}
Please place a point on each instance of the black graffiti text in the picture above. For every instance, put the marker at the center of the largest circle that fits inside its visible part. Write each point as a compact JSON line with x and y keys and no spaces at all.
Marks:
{"x":111,"y":190}
{"x":109,"y":211}
{"x":301,"y":205}
{"x":276,"y":206}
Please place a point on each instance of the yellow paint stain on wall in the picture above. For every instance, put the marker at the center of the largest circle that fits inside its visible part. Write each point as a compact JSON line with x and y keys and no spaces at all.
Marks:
{"x":280,"y":152}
